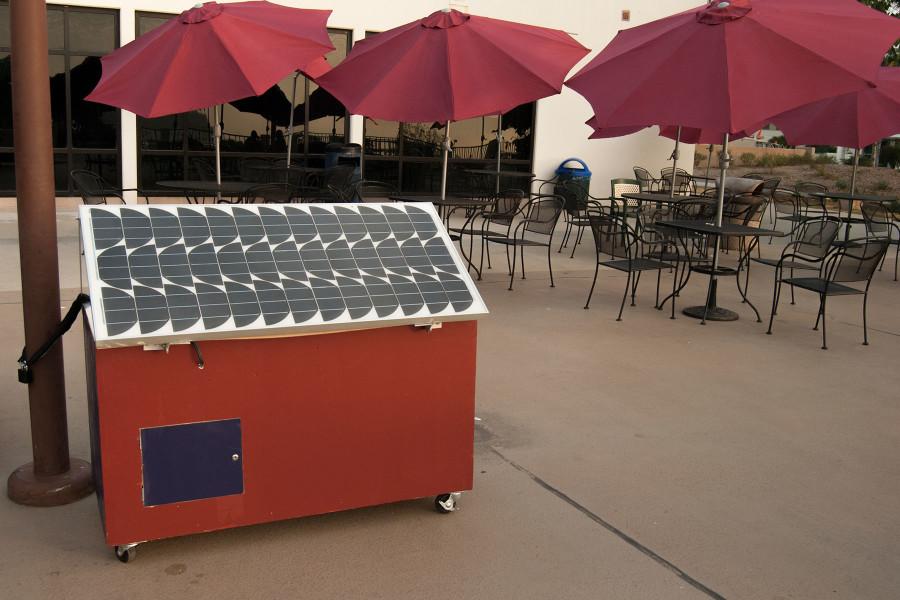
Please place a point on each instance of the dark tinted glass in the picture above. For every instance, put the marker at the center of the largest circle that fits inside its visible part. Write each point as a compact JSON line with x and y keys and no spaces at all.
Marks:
{"x":160,"y":168}
{"x":61,"y":172}
{"x":7,"y":172}
{"x":422,"y":177}
{"x":422,"y":139}
{"x":4,"y":26}
{"x":382,"y":138}
{"x":92,"y":32}
{"x":58,"y":106}
{"x":164,"y":133}
{"x":105,"y":165}
{"x":93,"y":125}
{"x":387,"y":171}
{"x":6,"y":135}
{"x":147,"y":23}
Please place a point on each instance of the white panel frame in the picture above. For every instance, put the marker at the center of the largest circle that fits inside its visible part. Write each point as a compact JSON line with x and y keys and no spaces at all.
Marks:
{"x":197,"y":332}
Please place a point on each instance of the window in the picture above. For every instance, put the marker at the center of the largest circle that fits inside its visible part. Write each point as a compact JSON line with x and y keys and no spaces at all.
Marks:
{"x":408,"y":155}
{"x":183,"y":146}
{"x":85,"y":135}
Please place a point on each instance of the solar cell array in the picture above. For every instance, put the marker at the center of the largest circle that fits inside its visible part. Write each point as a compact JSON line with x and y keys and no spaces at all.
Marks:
{"x":167,"y":273}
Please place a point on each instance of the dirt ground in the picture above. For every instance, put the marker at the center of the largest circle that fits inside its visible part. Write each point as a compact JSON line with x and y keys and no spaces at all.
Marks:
{"x":881,"y":181}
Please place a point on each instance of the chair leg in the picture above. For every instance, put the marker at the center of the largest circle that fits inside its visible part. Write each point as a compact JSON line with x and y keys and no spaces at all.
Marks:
{"x":674,"y":290}
{"x":565,"y":237}
{"x":896,"y":258}
{"x":792,"y":287}
{"x":550,"y":265}
{"x":522,"y":259}
{"x":865,"y":323}
{"x":658,"y":279}
{"x":509,"y":266}
{"x":512,"y":272}
{"x":634,"y":283}
{"x":587,"y":304}
{"x":822,"y":310}
{"x":481,"y":262}
{"x":577,"y":241}
{"x":624,"y":296}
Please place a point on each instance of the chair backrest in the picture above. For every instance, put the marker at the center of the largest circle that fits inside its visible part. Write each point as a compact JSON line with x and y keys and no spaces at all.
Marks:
{"x":644,"y":178}
{"x":805,"y":189}
{"x":612,"y":235}
{"x":786,"y":202}
{"x":265,"y":193}
{"x":574,"y":195}
{"x":92,"y":188}
{"x":542,"y":214}
{"x":338,"y":181}
{"x":624,"y":186}
{"x":743,"y":208}
{"x":878,"y":219}
{"x":682,"y":179}
{"x":202,"y":169}
{"x":815,"y":237}
{"x":768,"y":186}
{"x":506,"y":207}
{"x":699,"y":210}
{"x":373,"y":191}
{"x":544,"y":185}
{"x":857,"y":260}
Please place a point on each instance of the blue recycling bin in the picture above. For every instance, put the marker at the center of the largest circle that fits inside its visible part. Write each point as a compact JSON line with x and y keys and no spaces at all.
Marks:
{"x":573,"y":184}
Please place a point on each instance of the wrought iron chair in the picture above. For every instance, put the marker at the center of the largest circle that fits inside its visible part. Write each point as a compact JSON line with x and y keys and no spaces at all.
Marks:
{"x":881,"y":225}
{"x":614,"y":238}
{"x":575,"y":199}
{"x":682,"y":180}
{"x":624,"y":206}
{"x":334,"y":185}
{"x":93,"y":189}
{"x":541,"y":215}
{"x":811,"y":206}
{"x":853,"y":262}
{"x":808,"y":250}
{"x":368,"y":190}
{"x":645,"y":180}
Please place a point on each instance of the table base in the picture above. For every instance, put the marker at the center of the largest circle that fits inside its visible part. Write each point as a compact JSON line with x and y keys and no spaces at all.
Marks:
{"x":713,"y":313}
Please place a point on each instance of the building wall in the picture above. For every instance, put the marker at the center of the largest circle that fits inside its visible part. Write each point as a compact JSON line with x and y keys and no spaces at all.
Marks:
{"x":560,"y":129}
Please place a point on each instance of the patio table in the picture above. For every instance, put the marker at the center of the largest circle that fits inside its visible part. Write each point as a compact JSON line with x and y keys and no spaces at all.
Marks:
{"x":195,"y":190}
{"x":711,"y":311}
{"x":851,"y":199}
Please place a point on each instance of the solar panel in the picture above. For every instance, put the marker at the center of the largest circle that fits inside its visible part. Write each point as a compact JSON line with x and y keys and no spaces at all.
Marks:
{"x":170,"y":273}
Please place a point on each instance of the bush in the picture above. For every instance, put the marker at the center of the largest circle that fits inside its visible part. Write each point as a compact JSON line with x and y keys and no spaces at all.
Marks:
{"x":882,"y":185}
{"x":699,"y":158}
{"x":841,"y":185}
{"x":822,"y":159}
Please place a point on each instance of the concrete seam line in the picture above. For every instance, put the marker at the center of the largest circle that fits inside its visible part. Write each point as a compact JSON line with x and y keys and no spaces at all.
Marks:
{"x":612,"y":529}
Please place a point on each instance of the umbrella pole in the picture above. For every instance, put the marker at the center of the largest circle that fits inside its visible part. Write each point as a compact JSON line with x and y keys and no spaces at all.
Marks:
{"x":499,"y":144}
{"x":675,"y":162}
{"x":306,"y":121}
{"x":711,"y":311}
{"x":290,"y":143}
{"x":853,"y":175}
{"x":217,"y":114}
{"x":447,"y":150}
{"x":708,"y":163}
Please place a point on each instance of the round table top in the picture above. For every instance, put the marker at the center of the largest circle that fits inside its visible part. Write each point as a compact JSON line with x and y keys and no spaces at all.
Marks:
{"x":300,"y":168}
{"x":448,"y":201}
{"x":849,"y":196}
{"x":665,"y":198}
{"x":198,"y":185}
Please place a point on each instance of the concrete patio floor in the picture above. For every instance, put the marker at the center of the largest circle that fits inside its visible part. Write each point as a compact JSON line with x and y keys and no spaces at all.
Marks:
{"x":647,"y":458}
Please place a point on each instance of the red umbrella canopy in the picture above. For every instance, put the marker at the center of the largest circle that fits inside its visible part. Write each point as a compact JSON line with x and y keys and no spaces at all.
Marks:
{"x":689,"y":135}
{"x":211,"y":54}
{"x":451,"y":66}
{"x":854,"y":120}
{"x":728,"y":66}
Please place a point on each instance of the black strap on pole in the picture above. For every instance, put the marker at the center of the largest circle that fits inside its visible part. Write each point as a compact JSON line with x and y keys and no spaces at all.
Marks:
{"x":25,"y":363}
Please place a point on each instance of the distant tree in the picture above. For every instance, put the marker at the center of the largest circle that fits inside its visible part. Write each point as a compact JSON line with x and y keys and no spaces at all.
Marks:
{"x":780,"y":141}
{"x":891,"y":7}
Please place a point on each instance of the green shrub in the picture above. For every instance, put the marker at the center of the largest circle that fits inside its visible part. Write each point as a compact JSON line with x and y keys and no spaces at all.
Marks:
{"x":882,"y":185}
{"x":841,"y":185}
{"x":748,"y":159}
{"x":821,"y":159}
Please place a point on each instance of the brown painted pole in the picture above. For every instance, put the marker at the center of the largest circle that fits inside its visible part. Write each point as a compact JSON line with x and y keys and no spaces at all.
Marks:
{"x":52,"y":478}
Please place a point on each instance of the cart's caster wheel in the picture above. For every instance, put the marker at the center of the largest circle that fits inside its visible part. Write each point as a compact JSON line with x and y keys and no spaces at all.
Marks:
{"x":446,"y":503}
{"x":126,"y":553}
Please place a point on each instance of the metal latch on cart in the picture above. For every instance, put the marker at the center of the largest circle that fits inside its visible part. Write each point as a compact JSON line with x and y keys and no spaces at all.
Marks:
{"x":431,"y":326}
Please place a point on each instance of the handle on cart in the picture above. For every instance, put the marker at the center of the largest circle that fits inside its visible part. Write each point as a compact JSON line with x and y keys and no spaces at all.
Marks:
{"x":25,"y":362}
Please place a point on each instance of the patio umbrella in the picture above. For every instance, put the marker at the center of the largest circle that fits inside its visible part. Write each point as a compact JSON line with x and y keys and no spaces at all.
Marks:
{"x":853,"y":120}
{"x":727,"y":66}
{"x":211,"y":54}
{"x":451,"y":66}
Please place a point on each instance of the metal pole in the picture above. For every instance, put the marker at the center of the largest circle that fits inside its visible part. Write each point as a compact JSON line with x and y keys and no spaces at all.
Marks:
{"x":708,"y":163}
{"x":52,"y":478}
{"x":306,"y":121}
{"x":447,"y":150}
{"x":675,"y":162}
{"x":290,"y":143}
{"x":217,"y":115}
{"x":853,"y":176}
{"x":499,"y":146}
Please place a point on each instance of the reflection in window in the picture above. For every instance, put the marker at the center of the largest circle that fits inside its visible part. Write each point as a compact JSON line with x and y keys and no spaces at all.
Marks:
{"x":182,"y":146}
{"x":84,"y":134}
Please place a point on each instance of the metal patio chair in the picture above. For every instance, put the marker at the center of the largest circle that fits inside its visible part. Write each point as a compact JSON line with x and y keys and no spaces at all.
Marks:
{"x":541,"y":215}
{"x":368,"y":190}
{"x":614,"y":238}
{"x":881,"y":225}
{"x":646,"y":182}
{"x":852,"y":262}
{"x":93,"y":189}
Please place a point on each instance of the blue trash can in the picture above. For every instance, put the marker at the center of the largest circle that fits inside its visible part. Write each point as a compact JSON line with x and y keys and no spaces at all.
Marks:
{"x":573,"y":184}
